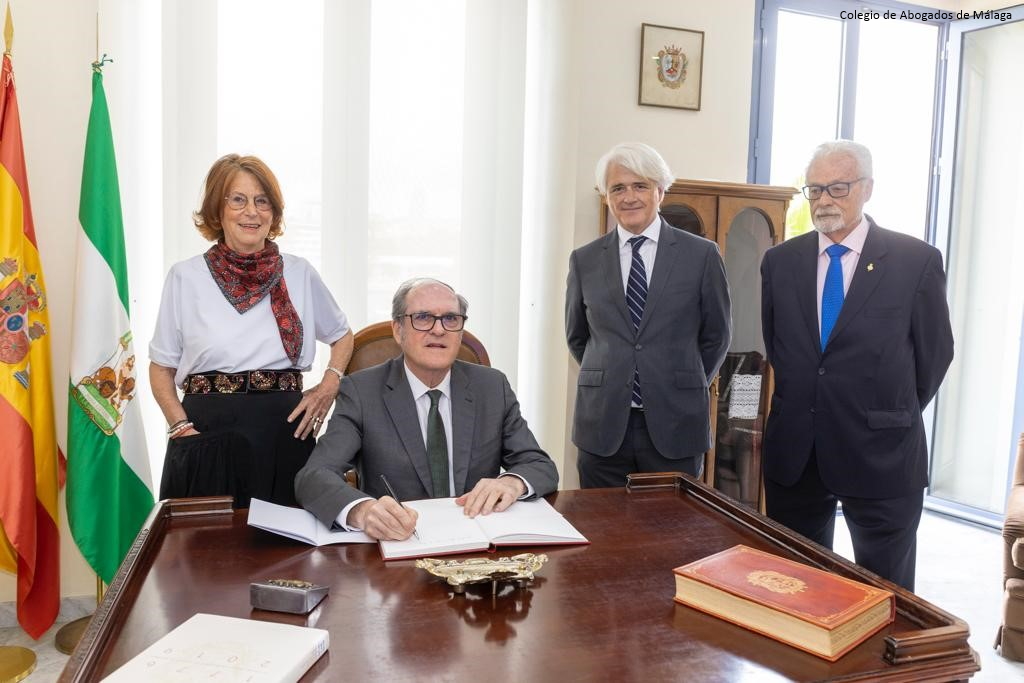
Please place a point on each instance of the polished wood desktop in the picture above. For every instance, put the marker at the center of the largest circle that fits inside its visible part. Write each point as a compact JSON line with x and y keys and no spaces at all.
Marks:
{"x":602,"y":611}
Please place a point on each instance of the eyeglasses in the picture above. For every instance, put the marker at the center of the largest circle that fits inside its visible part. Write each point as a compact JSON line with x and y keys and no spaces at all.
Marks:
{"x":835,"y":190}
{"x":238,"y":201}
{"x":424,"y":322}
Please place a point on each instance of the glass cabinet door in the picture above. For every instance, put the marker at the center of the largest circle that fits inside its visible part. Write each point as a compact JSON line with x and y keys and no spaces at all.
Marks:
{"x":743,"y":379}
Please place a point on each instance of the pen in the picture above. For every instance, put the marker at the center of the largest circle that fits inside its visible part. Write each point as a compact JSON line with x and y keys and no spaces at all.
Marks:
{"x":391,"y":492}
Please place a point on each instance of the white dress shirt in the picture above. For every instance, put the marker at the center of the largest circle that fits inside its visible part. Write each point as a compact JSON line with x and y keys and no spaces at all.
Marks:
{"x":648,"y":250}
{"x":849,"y":260}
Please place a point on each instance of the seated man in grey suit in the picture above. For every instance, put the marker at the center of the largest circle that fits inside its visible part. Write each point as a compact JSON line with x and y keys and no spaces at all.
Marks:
{"x":432,"y":425}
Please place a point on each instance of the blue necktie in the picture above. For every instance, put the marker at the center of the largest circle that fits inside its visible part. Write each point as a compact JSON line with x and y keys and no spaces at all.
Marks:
{"x":832,"y":294}
{"x":636,"y":298}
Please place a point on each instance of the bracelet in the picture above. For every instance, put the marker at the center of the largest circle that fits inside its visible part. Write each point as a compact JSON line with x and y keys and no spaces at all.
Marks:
{"x":180,"y":429}
{"x":336,"y":371}
{"x":175,"y":426}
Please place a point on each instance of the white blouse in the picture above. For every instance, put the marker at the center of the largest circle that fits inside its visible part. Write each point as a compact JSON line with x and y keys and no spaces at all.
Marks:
{"x":197,"y":330}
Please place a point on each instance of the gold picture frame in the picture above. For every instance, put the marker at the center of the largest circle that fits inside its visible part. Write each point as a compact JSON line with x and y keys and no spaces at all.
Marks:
{"x":671,"y":67}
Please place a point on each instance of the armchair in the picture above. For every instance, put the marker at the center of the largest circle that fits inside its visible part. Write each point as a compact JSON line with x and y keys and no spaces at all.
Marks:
{"x":1010,"y":639}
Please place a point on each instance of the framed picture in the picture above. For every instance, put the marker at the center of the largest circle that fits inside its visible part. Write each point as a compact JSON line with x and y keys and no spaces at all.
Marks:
{"x":671,"y":64}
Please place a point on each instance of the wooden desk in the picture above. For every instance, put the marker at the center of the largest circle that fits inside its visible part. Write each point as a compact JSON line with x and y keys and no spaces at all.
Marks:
{"x":602,"y":611}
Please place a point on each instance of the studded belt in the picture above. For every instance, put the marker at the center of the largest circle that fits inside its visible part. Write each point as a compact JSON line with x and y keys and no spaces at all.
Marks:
{"x":247,"y":382}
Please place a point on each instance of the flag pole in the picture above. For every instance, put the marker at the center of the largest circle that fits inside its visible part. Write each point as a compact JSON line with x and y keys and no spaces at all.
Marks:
{"x":15,"y":662}
{"x":70,"y":634}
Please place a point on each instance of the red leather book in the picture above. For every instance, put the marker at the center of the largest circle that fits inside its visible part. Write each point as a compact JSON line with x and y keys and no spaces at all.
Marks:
{"x":813,"y":610}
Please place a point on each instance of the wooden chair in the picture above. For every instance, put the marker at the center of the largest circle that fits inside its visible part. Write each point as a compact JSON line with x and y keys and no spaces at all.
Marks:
{"x":375,"y":344}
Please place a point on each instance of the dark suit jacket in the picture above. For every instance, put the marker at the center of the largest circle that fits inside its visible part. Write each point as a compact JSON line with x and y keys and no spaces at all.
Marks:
{"x":375,"y":429}
{"x":681,"y":342}
{"x":857,"y":405}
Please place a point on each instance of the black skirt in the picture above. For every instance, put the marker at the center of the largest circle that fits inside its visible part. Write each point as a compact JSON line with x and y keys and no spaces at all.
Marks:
{"x":245,"y":448}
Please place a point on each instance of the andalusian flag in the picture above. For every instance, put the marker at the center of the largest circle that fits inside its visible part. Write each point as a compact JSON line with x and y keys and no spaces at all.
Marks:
{"x":29,"y":458}
{"x":110,"y":492}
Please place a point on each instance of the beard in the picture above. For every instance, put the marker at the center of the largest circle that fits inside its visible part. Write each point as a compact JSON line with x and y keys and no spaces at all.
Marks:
{"x":827,"y":223}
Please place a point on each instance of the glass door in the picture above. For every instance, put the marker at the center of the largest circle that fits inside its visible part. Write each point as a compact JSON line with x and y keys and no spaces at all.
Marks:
{"x":980,"y":405}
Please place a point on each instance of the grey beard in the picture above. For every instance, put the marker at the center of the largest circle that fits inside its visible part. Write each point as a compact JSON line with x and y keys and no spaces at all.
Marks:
{"x":827,"y":224}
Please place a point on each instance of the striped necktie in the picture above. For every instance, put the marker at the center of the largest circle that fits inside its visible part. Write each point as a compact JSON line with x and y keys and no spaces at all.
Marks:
{"x":636,"y":298}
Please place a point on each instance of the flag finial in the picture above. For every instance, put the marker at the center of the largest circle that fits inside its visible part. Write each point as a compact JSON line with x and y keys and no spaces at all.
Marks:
{"x":97,"y":66}
{"x":8,"y":31}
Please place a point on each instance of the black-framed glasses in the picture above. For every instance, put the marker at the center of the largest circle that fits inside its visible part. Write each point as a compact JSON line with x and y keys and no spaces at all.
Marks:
{"x":238,"y":201}
{"x":424,"y":322}
{"x":835,"y":190}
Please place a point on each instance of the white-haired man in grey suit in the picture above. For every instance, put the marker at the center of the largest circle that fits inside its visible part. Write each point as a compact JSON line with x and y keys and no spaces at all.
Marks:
{"x":432,"y":425}
{"x":647,"y":317}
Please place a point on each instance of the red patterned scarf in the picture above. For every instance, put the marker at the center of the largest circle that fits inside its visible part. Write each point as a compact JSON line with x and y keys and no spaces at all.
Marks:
{"x":245,"y":279}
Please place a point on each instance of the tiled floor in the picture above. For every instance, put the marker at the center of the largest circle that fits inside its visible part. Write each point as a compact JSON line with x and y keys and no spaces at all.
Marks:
{"x":959,"y":568}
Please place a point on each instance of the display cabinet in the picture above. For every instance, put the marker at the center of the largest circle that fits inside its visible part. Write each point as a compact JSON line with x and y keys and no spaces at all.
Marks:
{"x":744,"y":220}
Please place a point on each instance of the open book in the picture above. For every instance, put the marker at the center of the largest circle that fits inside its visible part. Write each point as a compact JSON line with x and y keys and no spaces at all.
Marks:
{"x":444,"y":529}
{"x":216,"y":648}
{"x":298,"y":524}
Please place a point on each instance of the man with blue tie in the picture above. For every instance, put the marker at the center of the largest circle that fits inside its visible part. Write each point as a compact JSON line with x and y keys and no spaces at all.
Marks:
{"x":856,"y":327}
{"x":647,"y":317}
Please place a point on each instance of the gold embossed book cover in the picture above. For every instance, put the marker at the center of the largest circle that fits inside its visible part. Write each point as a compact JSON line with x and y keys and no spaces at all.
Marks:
{"x":811,"y":609}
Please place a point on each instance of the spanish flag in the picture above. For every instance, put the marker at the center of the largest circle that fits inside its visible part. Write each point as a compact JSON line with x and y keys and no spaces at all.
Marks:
{"x":29,"y":456}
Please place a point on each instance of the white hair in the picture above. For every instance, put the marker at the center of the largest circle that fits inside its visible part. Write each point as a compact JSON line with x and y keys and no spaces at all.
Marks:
{"x":635,"y":157}
{"x":856,"y":151}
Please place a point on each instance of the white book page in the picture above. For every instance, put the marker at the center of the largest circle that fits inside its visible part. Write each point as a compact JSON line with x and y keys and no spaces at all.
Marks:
{"x":298,"y":524}
{"x":529,"y":520}
{"x":442,"y":527}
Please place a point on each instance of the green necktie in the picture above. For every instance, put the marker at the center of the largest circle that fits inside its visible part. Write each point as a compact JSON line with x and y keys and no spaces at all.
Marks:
{"x":437,"y":447}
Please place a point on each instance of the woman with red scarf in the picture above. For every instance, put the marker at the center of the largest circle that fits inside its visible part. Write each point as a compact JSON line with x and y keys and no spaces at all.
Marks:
{"x":237,"y":327}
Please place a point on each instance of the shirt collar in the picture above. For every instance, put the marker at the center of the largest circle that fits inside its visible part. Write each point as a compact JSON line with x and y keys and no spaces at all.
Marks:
{"x":651,"y":232}
{"x":419,"y":388}
{"x":855,"y":240}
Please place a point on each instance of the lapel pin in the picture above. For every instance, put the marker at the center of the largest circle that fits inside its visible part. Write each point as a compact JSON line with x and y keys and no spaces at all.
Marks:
{"x":871,"y":266}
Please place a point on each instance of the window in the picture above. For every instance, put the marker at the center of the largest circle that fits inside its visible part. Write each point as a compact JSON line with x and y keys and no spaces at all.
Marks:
{"x":825,"y":75}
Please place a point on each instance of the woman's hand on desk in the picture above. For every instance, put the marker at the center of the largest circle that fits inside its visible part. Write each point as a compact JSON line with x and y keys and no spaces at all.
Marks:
{"x":383,"y":519}
{"x":491,"y":495}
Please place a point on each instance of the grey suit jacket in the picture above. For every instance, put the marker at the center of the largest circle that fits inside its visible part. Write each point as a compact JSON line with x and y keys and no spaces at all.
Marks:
{"x":682,"y":340}
{"x":375,"y":429}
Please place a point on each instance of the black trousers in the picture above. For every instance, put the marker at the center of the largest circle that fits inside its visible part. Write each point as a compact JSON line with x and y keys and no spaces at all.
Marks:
{"x":636,"y":454}
{"x":883,"y":530}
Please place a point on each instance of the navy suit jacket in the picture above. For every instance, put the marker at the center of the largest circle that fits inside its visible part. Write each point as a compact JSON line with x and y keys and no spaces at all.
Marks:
{"x":678,"y":348}
{"x":858,"y":404}
{"x":376,"y":430}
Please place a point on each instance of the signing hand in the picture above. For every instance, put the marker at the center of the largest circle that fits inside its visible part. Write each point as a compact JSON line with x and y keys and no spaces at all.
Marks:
{"x":383,"y":519}
{"x":491,"y":495}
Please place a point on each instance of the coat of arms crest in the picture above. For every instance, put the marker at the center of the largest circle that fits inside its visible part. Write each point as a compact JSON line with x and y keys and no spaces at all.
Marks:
{"x":104,"y":395}
{"x":19,"y":297}
{"x":672,"y":65}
